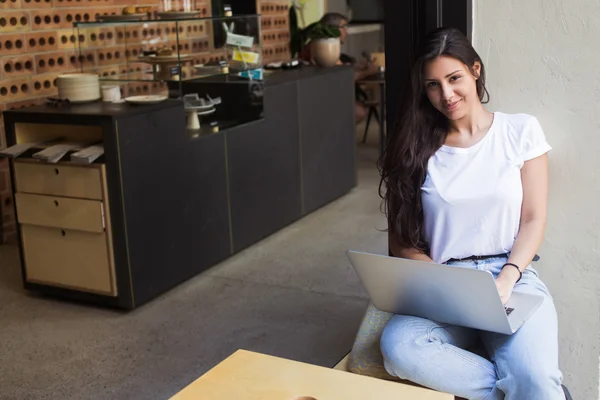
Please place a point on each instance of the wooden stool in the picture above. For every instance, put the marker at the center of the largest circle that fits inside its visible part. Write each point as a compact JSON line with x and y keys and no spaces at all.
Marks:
{"x":365,"y":357}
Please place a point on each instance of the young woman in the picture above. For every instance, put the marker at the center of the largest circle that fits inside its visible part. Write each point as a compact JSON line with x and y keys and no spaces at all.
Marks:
{"x":468,"y":187}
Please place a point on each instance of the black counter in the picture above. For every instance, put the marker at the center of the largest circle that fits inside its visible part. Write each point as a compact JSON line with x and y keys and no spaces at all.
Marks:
{"x":97,"y":109}
{"x":180,"y":203}
{"x":281,"y":76}
{"x":246,"y":98}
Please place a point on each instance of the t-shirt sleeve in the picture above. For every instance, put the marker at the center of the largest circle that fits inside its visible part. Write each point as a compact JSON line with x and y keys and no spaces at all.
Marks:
{"x":534,"y":141}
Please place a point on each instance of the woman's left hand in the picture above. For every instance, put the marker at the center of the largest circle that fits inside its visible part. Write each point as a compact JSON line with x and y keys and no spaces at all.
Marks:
{"x":505,"y":283}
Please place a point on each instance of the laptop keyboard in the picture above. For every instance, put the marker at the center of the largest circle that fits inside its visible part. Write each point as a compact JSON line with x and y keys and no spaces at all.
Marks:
{"x":508,"y":310}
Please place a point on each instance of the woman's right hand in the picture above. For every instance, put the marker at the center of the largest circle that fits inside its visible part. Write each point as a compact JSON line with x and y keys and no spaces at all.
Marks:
{"x":505,"y":283}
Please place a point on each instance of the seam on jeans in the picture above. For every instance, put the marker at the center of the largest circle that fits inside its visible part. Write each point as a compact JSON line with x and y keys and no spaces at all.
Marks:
{"x":529,"y":270}
{"x":491,"y":392}
{"x":449,"y":348}
{"x":533,"y":281}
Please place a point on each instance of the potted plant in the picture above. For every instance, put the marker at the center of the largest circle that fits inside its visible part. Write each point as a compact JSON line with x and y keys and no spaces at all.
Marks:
{"x":325,"y":47}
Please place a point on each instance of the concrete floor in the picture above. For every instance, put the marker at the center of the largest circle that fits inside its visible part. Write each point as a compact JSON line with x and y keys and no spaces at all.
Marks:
{"x":293,"y":295}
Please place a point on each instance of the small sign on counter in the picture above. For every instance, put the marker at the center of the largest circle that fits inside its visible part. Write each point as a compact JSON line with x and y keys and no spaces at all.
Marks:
{"x":234,"y":39}
{"x":255,"y":74}
{"x":246,"y":56}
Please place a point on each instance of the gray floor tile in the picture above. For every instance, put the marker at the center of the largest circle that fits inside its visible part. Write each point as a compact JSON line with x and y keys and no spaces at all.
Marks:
{"x":68,"y":351}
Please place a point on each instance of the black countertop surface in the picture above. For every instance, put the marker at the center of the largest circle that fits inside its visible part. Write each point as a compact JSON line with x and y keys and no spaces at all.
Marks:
{"x":96,"y":109}
{"x":279,"y":76}
{"x":102,"y":109}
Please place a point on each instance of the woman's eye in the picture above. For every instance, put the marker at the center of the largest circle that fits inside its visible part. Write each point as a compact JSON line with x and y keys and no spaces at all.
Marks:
{"x":454,"y":78}
{"x":431,"y":84}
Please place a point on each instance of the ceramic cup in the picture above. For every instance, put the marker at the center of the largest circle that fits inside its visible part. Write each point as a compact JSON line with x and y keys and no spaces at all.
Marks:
{"x":111,"y":93}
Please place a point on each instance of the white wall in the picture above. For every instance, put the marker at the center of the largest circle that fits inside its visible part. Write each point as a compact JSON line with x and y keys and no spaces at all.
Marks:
{"x":336,"y":6}
{"x":542,"y":58}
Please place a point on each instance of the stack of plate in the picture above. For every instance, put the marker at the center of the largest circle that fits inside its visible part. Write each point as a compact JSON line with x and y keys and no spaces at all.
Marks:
{"x":78,"y":88}
{"x":192,"y":102}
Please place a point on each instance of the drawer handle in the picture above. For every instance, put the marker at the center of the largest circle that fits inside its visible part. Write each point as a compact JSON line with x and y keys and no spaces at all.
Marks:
{"x":56,"y":203}
{"x":56,"y":171}
{"x":62,"y":232}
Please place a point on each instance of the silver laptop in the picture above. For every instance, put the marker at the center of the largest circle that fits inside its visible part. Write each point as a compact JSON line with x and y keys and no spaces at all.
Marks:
{"x":441,"y":293}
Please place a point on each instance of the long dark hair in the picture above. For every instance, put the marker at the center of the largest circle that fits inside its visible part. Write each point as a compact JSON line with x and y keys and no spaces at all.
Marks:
{"x":419,"y":132}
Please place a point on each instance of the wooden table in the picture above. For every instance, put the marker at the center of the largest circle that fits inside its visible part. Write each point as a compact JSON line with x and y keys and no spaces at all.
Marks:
{"x":379,"y":79}
{"x":251,"y":376}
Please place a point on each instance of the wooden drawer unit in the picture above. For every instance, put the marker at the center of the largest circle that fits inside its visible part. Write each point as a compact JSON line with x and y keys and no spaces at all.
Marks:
{"x":65,"y":231}
{"x":91,"y":232}
{"x":60,"y":212}
{"x":59,"y":180}
{"x":68,"y":258}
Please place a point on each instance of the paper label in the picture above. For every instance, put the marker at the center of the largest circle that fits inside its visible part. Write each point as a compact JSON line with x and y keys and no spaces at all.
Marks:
{"x":239,"y":40}
{"x":246,"y":56}
{"x":256,"y":74}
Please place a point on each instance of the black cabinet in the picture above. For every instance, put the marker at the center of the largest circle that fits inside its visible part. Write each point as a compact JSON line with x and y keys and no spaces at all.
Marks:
{"x":174,"y":199}
{"x":327,"y":138}
{"x":264,"y":169}
{"x":299,"y":158}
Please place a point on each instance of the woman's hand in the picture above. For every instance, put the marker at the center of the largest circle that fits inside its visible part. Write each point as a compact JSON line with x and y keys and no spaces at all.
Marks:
{"x":505,"y":283}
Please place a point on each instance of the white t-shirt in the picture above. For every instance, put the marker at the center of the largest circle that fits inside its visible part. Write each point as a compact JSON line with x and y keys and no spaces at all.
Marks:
{"x":472,"y":196}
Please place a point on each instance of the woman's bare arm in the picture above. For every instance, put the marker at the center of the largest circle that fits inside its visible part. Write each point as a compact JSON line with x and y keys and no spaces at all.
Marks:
{"x":534,"y":177}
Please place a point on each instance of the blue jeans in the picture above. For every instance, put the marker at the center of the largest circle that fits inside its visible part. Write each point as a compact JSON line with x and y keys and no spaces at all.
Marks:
{"x":520,"y":366}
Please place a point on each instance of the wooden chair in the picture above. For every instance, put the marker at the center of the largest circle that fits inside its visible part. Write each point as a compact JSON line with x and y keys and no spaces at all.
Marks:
{"x":379,"y":59}
{"x":373,"y":110}
{"x":372,"y":103}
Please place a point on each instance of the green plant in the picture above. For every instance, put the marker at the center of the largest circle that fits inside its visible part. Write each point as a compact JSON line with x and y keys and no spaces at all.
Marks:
{"x":318,"y":30}
{"x":300,"y":37}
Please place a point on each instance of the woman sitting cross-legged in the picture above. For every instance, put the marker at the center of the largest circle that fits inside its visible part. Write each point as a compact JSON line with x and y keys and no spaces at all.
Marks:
{"x":461,"y":181}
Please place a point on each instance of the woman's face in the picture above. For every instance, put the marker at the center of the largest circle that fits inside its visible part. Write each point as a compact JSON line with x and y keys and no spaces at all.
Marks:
{"x":450,"y":86}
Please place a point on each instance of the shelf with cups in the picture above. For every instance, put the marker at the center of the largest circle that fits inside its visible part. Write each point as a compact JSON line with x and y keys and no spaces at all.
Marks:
{"x":169,"y":55}
{"x":175,"y":49}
